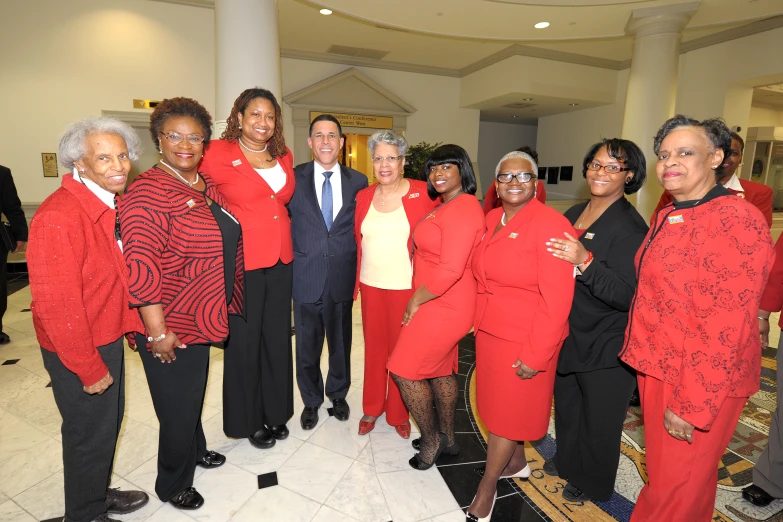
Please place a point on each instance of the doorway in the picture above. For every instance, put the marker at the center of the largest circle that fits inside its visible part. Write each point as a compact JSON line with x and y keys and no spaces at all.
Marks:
{"x":357,"y":156}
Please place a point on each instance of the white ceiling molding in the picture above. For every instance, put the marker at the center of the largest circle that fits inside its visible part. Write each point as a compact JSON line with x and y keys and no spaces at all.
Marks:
{"x":208,"y":4}
{"x":732,"y":34}
{"x":547,"y":54}
{"x":368,"y":62}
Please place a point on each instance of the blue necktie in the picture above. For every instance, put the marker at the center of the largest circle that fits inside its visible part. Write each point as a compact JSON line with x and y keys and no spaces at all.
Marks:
{"x":326,"y":200}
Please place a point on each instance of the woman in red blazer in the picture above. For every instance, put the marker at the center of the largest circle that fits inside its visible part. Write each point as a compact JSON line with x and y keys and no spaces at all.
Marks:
{"x":386,"y":215}
{"x":491,"y":198}
{"x":253,"y":169}
{"x":524,"y":298}
{"x":692,"y":333}
{"x":440,"y":311}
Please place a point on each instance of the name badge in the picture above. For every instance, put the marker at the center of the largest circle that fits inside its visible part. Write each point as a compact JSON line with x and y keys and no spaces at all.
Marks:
{"x":191,"y":203}
{"x":589,"y":235}
{"x":676,"y":219}
{"x":513,"y":235}
{"x":414,"y":195}
{"x":236,"y":162}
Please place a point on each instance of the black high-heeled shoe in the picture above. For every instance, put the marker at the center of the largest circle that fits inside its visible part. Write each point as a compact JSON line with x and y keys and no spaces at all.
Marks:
{"x":418,"y":463}
{"x":452,"y":450}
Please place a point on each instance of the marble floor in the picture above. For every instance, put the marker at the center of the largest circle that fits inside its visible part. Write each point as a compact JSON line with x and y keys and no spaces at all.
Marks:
{"x":327,"y":474}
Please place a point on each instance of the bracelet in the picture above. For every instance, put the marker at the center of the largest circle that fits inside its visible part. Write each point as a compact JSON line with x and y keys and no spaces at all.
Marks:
{"x":589,"y":258}
{"x":158,"y":338}
{"x":763,"y":318}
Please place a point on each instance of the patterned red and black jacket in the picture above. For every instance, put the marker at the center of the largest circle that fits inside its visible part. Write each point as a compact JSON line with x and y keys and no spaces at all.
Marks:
{"x":174,"y":250}
{"x":693,"y":322}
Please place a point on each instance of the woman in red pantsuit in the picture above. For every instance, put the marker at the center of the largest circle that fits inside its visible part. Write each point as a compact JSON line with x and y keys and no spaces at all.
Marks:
{"x":386,"y":214}
{"x":693,"y":330}
{"x":441,"y":310}
{"x":524,"y":297}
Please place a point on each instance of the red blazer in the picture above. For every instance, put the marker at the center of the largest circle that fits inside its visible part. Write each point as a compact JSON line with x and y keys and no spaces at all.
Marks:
{"x":524,"y":292}
{"x":693,"y":319}
{"x":772,"y":298}
{"x":174,"y":251}
{"x":266,"y":227}
{"x":416,"y":204}
{"x":491,"y":199}
{"x":757,"y":193}
{"x":78,"y":280}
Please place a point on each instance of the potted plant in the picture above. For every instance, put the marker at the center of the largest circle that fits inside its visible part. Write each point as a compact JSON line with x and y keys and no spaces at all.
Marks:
{"x":416,"y":158}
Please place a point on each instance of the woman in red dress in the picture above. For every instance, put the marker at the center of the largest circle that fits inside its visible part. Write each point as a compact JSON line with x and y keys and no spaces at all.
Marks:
{"x":441,"y":310}
{"x":693,"y":333}
{"x":521,"y":321}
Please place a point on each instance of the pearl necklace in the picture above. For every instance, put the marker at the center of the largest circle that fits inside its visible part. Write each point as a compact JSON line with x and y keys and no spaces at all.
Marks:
{"x":266,"y":145}
{"x":188,"y":183}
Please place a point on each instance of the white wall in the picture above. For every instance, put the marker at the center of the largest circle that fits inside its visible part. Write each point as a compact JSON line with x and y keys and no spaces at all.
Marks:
{"x":62,"y":61}
{"x":438,"y":117}
{"x":563,"y":139}
{"x":765,"y":116}
{"x":498,"y":139}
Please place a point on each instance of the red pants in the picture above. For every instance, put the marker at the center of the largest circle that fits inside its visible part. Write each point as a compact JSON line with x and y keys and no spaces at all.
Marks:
{"x":382,"y":312}
{"x":682,"y":477}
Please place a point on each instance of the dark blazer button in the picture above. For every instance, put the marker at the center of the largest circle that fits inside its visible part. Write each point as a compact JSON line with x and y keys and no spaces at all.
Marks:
{"x":329,"y":235}
{"x":326,"y":255}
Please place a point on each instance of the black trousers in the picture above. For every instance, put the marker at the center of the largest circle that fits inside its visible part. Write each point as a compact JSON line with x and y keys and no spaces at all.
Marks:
{"x":3,"y":282}
{"x":91,"y":424}
{"x":177,"y":391}
{"x":590,"y":409}
{"x":258,"y":376}
{"x":312,"y":320}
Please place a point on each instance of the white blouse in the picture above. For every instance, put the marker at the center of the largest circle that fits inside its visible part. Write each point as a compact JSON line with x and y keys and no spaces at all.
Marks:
{"x":275,"y":177}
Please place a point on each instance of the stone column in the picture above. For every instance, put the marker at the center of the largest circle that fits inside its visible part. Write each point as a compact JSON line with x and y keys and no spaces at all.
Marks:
{"x":247,"y":52}
{"x":652,"y":84}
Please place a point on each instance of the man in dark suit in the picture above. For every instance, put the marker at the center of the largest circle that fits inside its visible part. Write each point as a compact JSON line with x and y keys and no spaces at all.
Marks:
{"x":322,"y":213}
{"x":11,"y":207}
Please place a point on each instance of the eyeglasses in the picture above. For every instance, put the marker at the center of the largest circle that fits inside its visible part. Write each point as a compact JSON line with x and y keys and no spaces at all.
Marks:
{"x":389,"y":159}
{"x":610,"y":169}
{"x":522,"y":177}
{"x":176,"y":138}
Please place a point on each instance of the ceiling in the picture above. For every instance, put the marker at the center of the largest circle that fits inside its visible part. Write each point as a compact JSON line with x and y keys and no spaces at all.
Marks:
{"x":770,"y":95}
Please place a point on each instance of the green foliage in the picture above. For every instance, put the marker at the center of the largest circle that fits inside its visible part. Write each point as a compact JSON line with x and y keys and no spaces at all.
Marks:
{"x":416,"y":158}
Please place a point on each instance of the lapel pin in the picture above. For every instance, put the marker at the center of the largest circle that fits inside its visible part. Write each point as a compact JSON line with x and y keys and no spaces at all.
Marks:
{"x":414,"y":195}
{"x":191,"y":203}
{"x":741,"y":194}
{"x":236,"y":162}
{"x":676,"y":219}
{"x":513,"y":235}
{"x":589,"y":235}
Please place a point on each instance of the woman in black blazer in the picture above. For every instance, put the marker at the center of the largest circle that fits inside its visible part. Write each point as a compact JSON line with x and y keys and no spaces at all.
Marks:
{"x":593,"y":386}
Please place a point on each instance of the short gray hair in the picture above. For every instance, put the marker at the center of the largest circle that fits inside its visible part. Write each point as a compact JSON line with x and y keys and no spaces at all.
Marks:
{"x":514,"y":155}
{"x":389,"y":138}
{"x":73,"y":146}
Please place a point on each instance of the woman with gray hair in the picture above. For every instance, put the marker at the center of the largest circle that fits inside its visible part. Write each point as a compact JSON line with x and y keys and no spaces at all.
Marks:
{"x":386,"y":214}
{"x":79,"y":285}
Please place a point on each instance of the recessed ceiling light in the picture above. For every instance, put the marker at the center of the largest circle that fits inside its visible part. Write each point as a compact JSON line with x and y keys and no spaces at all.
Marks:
{"x":325,"y":12}
{"x":527,"y":99}
{"x":513,"y":115}
{"x":541,"y":25}
{"x":573,"y":104}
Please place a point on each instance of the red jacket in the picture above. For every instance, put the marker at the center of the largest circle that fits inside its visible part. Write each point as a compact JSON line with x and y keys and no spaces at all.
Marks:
{"x":757,"y":193}
{"x":491,"y":199}
{"x":416,"y":204}
{"x":772,"y":298}
{"x":693,"y":319}
{"x":266,"y":227}
{"x":78,"y":279}
{"x":524,"y":292}
{"x":174,"y":250}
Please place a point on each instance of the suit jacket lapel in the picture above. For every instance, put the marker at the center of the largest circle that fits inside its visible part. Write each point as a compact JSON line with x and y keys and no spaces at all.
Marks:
{"x":307,"y":182}
{"x":345,"y":183}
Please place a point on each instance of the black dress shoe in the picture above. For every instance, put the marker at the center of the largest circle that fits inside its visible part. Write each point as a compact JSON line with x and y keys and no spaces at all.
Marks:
{"x":279,"y":432}
{"x":4,"y":339}
{"x":573,"y":494}
{"x":309,"y":418}
{"x":452,"y":450}
{"x":341,"y":409}
{"x":757,"y":496}
{"x":212,"y":459}
{"x":121,"y":502}
{"x":262,"y":439}
{"x":550,"y":468}
{"x":187,"y":499}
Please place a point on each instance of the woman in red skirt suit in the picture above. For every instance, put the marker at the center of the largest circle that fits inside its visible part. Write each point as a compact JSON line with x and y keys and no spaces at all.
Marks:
{"x":524,"y":298}
{"x":440,"y":312}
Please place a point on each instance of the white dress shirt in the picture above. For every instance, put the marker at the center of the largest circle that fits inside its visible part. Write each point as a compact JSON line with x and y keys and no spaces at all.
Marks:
{"x":734,"y":184}
{"x":103,"y":194}
{"x":337,"y":186}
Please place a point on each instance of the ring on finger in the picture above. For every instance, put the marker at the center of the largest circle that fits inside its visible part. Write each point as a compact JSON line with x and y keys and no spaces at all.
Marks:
{"x":565,"y":248}
{"x":157,"y":355}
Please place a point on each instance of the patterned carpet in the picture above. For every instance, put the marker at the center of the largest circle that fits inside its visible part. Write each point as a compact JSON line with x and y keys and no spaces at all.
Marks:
{"x":540,"y":497}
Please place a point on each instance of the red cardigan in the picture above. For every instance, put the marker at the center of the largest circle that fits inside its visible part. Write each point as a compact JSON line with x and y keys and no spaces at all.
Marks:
{"x":78,"y":279}
{"x":266,"y":227}
{"x":757,"y":193}
{"x":174,"y":250}
{"x":514,"y":271}
{"x":772,"y":298}
{"x":693,"y":319}
{"x":491,"y":199}
{"x":416,"y":204}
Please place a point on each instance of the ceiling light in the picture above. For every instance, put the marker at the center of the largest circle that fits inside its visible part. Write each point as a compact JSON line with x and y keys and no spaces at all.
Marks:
{"x":541,"y":25}
{"x":325,"y":12}
{"x":573,"y":104}
{"x":527,"y":99}
{"x":513,"y":115}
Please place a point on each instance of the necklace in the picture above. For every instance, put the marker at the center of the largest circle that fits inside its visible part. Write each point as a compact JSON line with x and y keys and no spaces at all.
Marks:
{"x":452,"y":197}
{"x":503,"y":219}
{"x":383,"y":202}
{"x":266,"y":145}
{"x":579,"y":225}
{"x":172,"y":169}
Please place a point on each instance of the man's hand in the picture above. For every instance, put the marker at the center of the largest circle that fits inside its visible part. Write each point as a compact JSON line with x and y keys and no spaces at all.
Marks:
{"x":100,"y":386}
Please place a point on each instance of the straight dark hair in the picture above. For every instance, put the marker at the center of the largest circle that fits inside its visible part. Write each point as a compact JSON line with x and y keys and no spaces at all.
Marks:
{"x":455,"y":155}
{"x":626,"y":152}
{"x":326,"y":117}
